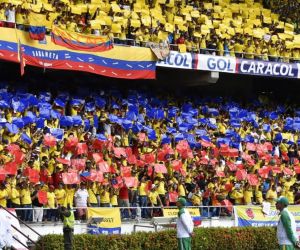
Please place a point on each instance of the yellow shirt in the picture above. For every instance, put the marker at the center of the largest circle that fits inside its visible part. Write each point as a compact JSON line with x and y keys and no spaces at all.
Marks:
{"x":271,"y":196}
{"x":259,"y":196}
{"x":142,"y":189}
{"x":161,"y":188}
{"x":15,"y":196}
{"x":114,"y":200}
{"x":92,"y":196}
{"x":51,"y":199}
{"x":181,"y":190}
{"x":60,"y":196}
{"x":69,"y":197}
{"x":196,"y":200}
{"x":3,"y":197}
{"x":153,"y":197}
{"x":104,"y":197}
{"x":25,"y":197}
{"x":248,"y":196}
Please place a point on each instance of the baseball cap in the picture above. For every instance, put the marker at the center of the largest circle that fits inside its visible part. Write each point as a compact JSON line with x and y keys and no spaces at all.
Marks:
{"x":283,"y":200}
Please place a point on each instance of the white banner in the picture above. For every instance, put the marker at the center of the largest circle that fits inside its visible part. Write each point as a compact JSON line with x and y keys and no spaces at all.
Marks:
{"x":216,"y":63}
{"x":177,"y":60}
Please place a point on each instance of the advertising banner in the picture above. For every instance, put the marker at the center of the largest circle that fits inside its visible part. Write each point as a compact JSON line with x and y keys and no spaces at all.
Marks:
{"x":265,"y":68}
{"x":104,"y":220}
{"x":216,"y":63}
{"x":246,"y":216}
{"x":178,"y":60}
{"x":194,"y":212}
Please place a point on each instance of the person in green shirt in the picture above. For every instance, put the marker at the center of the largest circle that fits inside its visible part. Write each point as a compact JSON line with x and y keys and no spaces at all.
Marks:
{"x":286,"y":228}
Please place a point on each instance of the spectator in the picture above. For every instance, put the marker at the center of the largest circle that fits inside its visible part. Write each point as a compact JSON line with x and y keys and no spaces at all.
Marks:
{"x":81,"y":201}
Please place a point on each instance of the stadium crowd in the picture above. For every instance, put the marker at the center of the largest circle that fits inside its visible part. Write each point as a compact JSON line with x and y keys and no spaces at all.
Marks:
{"x":136,"y":149}
{"x":228,"y":28}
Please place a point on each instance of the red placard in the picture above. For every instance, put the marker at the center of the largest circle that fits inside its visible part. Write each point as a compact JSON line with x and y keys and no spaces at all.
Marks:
{"x":42,"y":197}
{"x":49,"y":140}
{"x":103,"y":167}
{"x":70,"y":178}
{"x":160,"y":168}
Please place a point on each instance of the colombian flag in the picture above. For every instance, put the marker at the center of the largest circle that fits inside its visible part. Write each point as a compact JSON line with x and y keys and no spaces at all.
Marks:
{"x":82,"y":42}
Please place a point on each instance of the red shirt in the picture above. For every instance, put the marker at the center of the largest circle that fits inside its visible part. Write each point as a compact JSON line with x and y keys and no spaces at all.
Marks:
{"x":123,"y":194}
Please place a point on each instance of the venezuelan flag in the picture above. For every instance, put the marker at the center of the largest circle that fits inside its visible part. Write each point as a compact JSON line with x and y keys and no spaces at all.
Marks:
{"x":118,"y":62}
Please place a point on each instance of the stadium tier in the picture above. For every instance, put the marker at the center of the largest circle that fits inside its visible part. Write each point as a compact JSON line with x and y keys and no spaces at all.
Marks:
{"x":114,"y":147}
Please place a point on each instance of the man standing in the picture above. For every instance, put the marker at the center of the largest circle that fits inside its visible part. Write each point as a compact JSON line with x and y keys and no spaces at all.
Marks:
{"x":286,"y":229}
{"x":185,"y":226}
{"x":67,"y":216}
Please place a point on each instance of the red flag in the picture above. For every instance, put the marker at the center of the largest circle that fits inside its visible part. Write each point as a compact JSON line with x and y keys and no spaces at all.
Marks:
{"x":220,"y":173}
{"x":96,"y":176}
{"x":126,"y":171}
{"x":63,"y":161}
{"x":251,"y":146}
{"x":297,"y":170}
{"x":11,"y":168}
{"x":150,"y":170}
{"x":119,"y":152}
{"x":19,"y":157}
{"x":161,"y":155}
{"x":233,"y":152}
{"x":287,"y":171}
{"x":131,"y":159}
{"x":182,"y":146}
{"x":252,"y":179}
{"x":264,"y":172}
{"x":3,"y":174}
{"x":241,"y":174}
{"x":182,"y":172}
{"x":22,"y":61}
{"x":130,"y":181}
{"x":140,"y":163}
{"x":71,"y":142}
{"x":103,"y":167}
{"x":49,"y":140}
{"x":97,"y":157}
{"x":70,"y":178}
{"x":42,"y":197}
{"x":12,"y":148}
{"x":231,"y":166}
{"x":97,"y":144}
{"x":177,"y":164}
{"x":33,"y":175}
{"x":81,"y":148}
{"x":173,"y":196}
{"x":276,"y":170}
{"x":160,"y":168}
{"x":228,"y":187}
{"x":206,"y":144}
{"x":148,"y":158}
{"x":79,"y":164}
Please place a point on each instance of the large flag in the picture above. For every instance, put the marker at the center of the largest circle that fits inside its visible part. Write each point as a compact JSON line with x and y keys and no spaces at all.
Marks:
{"x":37,"y":32}
{"x":77,"y":41}
{"x":22,"y":62}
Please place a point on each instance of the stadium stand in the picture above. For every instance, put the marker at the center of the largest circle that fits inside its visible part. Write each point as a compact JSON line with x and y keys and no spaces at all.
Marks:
{"x":241,"y":29}
{"x":134,"y":147}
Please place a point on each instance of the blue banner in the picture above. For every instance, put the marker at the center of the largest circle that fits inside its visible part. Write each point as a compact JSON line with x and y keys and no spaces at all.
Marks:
{"x":264,"y":68}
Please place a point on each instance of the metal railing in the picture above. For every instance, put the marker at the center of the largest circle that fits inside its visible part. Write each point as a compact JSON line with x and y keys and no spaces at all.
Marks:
{"x":20,"y":232}
{"x":192,"y":49}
